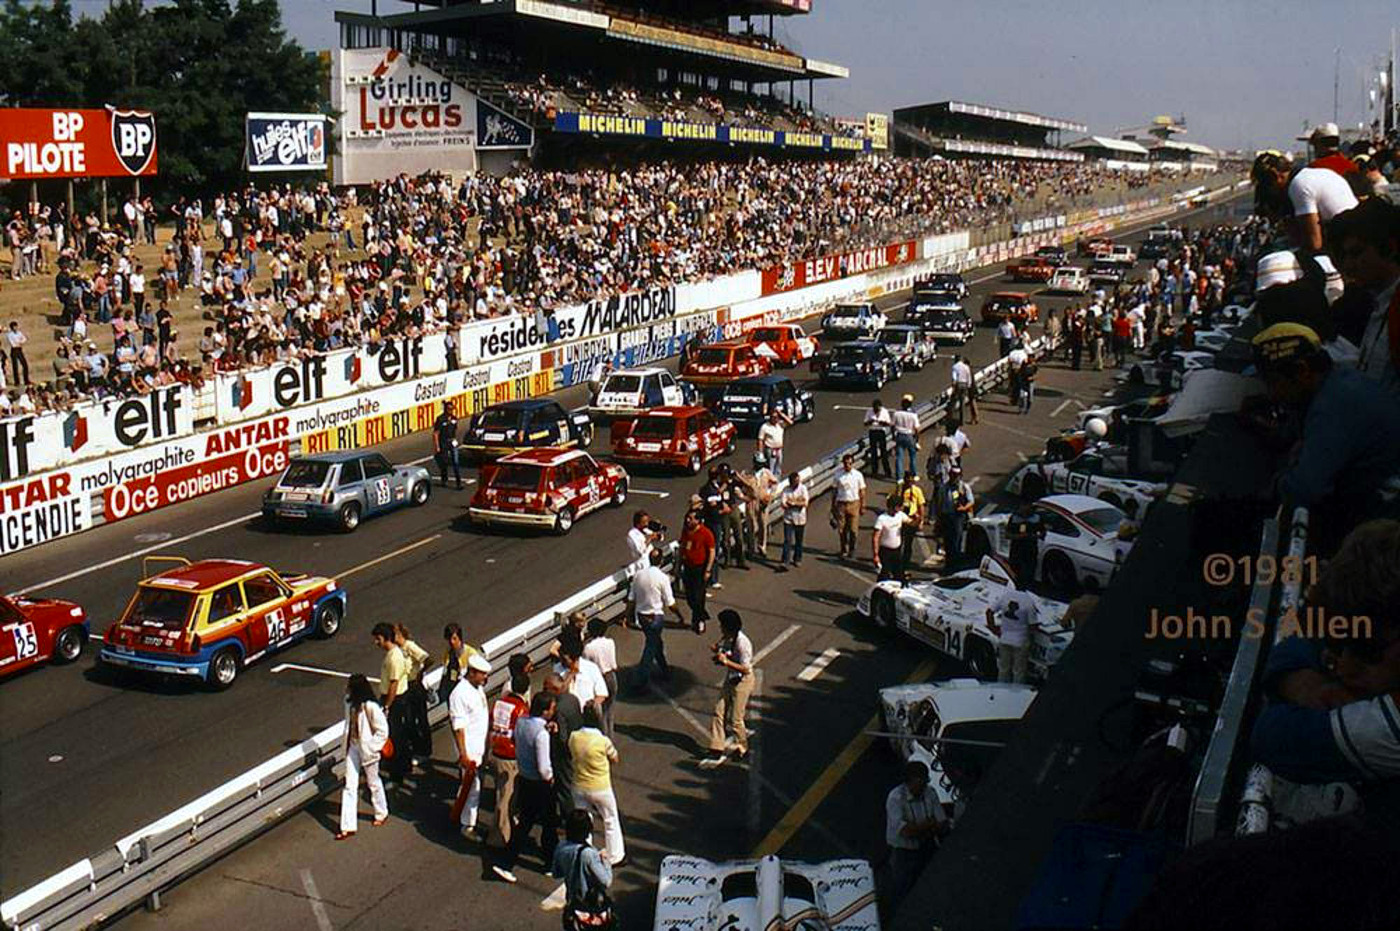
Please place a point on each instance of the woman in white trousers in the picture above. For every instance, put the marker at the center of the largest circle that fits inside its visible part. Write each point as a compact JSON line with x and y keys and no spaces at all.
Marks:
{"x":366,"y":731}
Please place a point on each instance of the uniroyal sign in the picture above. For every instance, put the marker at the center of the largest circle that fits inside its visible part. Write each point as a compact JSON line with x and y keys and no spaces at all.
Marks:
{"x":834,"y":267}
{"x":106,"y":143}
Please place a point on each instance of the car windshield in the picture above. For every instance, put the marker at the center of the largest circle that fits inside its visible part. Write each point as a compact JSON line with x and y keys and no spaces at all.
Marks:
{"x":1104,"y":520}
{"x":517,"y":476}
{"x":953,"y":583}
{"x":965,"y":751}
{"x":742,"y":392}
{"x":767,"y":334}
{"x":849,"y":353}
{"x":713,"y":357}
{"x":655,"y":428}
{"x":894,"y":337}
{"x":624,"y":384}
{"x":945,"y":316}
{"x":497,"y":418}
{"x":845,"y":312}
{"x":161,"y":607}
{"x":306,"y":473}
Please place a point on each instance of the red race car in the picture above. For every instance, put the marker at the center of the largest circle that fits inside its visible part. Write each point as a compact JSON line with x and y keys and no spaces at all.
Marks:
{"x":548,"y":487}
{"x":1030,"y":268}
{"x":681,"y":437}
{"x":208,"y":619}
{"x":33,"y":630}
{"x":786,"y":342}
{"x":1010,"y":305}
{"x":720,"y":363}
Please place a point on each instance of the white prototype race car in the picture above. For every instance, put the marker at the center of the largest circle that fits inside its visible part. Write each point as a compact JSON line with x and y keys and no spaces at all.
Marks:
{"x":1099,"y":472}
{"x":700,"y":895}
{"x":954,"y":728}
{"x":1085,"y":540}
{"x":1169,"y":370}
{"x":950,"y":615}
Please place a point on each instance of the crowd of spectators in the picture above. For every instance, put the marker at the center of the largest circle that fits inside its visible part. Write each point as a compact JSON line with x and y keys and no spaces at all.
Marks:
{"x":279,"y":273}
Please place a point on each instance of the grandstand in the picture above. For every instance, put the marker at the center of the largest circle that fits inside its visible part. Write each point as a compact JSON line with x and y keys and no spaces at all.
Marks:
{"x":953,"y":128}
{"x":1164,"y":151}
{"x":596,"y":79}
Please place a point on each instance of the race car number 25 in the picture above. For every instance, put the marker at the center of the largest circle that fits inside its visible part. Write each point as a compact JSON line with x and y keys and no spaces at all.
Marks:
{"x":26,"y":643}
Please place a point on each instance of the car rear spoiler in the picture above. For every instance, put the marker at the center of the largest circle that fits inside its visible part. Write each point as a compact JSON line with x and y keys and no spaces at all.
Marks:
{"x":146,"y":572}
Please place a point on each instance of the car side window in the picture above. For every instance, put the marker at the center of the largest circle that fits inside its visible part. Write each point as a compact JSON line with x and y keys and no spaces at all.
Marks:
{"x":262,"y":590}
{"x":785,"y":390}
{"x":9,"y":614}
{"x":224,"y":603}
{"x":350,"y":473}
{"x":701,"y":421}
{"x":584,"y":466}
{"x":667,"y":381}
{"x":566,"y":474}
{"x":651,"y":391}
{"x":376,"y":466}
{"x":1058,"y":524}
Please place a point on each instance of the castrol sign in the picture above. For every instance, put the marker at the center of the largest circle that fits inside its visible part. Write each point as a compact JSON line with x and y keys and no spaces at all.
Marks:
{"x":40,"y":143}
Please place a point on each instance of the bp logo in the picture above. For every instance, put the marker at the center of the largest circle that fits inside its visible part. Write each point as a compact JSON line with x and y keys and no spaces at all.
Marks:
{"x":134,"y":138}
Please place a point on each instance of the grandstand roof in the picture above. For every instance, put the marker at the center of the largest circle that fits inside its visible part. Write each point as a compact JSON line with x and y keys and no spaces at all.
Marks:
{"x":990,"y":113}
{"x":681,"y":9}
{"x":584,"y":21}
{"x":1194,"y":148}
{"x":1125,"y":146}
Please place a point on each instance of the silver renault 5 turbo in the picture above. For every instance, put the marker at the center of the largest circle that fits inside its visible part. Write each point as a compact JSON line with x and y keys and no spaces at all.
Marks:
{"x":343,"y":488}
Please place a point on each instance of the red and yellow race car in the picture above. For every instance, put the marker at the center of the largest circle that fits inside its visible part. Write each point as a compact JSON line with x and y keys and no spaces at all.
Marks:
{"x":786,"y":343}
{"x":1010,"y":305}
{"x":546,"y":488}
{"x":720,"y":363}
{"x":208,"y":619}
{"x":680,"y":437}
{"x":36,"y":630}
{"x":1030,"y":268}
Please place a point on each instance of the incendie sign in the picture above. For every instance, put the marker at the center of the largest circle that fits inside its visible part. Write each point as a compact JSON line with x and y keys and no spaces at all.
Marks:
{"x":107,"y":143}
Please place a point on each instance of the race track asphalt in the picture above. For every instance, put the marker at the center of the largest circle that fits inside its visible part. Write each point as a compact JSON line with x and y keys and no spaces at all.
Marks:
{"x":84,"y":760}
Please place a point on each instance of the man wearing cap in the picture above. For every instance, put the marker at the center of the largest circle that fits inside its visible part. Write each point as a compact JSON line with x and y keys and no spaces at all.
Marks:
{"x":955,"y":503}
{"x":466,"y":707}
{"x":906,"y":435}
{"x":1349,"y":453}
{"x":1327,"y":150}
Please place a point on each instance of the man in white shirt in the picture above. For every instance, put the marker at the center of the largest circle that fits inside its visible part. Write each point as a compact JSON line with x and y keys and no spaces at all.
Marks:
{"x":649,"y":601}
{"x":847,"y":504}
{"x":770,"y":439}
{"x":16,"y":339}
{"x":794,"y":498}
{"x":887,"y":542}
{"x":955,"y":440}
{"x":1006,"y":337}
{"x":470,"y":717}
{"x":877,"y":433}
{"x":914,"y":820}
{"x":1366,"y":243}
{"x":599,"y":649}
{"x":582,"y":677}
{"x":734,"y":652}
{"x":640,"y":540}
{"x":964,"y":392}
{"x":1308,"y":198}
{"x":906,"y":436}
{"x":1012,"y":620}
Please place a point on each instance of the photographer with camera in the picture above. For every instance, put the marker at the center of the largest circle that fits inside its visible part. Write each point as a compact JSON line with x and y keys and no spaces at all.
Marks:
{"x":734,"y":652}
{"x":645,"y":535}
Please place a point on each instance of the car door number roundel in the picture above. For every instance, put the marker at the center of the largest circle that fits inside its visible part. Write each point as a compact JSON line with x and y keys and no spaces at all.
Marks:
{"x":381,"y":491}
{"x":26,"y":643}
{"x":276,"y":626}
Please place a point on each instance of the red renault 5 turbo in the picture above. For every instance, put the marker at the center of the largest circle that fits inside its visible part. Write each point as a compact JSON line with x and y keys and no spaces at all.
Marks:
{"x":209,"y":619}
{"x":548,"y":488}
{"x":35,"y":630}
{"x":720,"y":363}
{"x":679,"y":437}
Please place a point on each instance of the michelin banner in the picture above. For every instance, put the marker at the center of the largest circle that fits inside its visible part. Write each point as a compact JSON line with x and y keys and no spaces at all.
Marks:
{"x":285,"y":142}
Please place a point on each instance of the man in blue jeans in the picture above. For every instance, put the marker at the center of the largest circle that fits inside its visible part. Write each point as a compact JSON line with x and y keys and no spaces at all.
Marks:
{"x":650,"y":598}
{"x":906,"y":436}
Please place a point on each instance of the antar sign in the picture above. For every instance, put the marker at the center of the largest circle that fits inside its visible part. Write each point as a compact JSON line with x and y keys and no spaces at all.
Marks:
{"x":77,"y":143}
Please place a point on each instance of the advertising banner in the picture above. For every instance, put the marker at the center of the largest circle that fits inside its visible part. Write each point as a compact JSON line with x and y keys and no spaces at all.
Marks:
{"x":110,"y":143}
{"x":877,"y":129}
{"x":40,"y":510}
{"x":496,"y":130}
{"x":601,"y":124}
{"x":285,"y":142}
{"x":833,"y":267}
{"x":487,"y":340}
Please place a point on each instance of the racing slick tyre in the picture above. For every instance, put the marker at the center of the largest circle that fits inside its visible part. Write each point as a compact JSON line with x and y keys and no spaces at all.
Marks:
{"x":564,"y":520}
{"x":1032,"y":487}
{"x":348,"y":517}
{"x":978,"y":544}
{"x":1058,"y":572}
{"x":326,"y":620}
{"x":695,"y":463}
{"x":223,"y":669}
{"x":68,"y":645}
{"x":982,"y":660}
{"x":882,"y":608}
{"x":619,"y":497}
{"x":420,"y":493}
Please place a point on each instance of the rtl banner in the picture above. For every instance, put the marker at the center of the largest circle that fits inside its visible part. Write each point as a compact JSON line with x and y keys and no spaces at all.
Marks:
{"x":110,"y":143}
{"x":285,"y":142}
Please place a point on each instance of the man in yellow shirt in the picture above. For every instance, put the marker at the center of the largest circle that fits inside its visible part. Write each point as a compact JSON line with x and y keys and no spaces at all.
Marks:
{"x":593,"y":755}
{"x":911,"y":499}
{"x":454,"y":658}
{"x":393,"y":685}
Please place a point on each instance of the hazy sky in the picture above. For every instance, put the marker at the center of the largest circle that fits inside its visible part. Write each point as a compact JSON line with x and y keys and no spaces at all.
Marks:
{"x":1246,"y":73}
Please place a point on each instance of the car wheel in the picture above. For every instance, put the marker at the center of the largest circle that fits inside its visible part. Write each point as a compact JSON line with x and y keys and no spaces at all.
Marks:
{"x":1058,"y":572}
{"x":223,"y":668}
{"x":1032,"y":487}
{"x":978,"y":543}
{"x":1109,"y":497}
{"x":349,"y":516}
{"x":420,"y":493}
{"x":619,"y":497}
{"x":564,"y":520}
{"x":68,"y":645}
{"x":327,"y":619}
{"x":981,"y":659}
{"x":693,"y":466}
{"x":1135,"y":375}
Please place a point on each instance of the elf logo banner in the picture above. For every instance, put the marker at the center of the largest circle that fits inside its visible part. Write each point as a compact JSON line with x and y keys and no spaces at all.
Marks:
{"x":134,"y":138}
